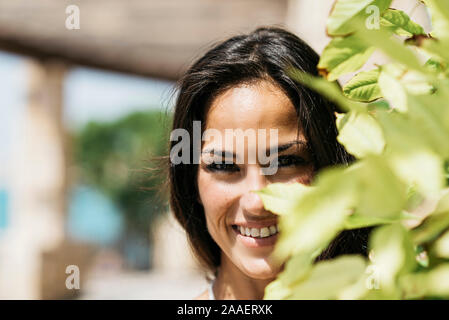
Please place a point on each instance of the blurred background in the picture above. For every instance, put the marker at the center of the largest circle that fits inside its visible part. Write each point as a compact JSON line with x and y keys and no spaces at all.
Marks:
{"x":84,"y":113}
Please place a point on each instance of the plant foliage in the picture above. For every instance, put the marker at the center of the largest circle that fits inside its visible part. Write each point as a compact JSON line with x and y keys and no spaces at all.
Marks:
{"x":396,"y":124}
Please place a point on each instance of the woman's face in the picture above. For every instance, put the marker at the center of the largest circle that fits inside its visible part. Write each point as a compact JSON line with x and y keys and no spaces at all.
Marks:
{"x":236,"y":218}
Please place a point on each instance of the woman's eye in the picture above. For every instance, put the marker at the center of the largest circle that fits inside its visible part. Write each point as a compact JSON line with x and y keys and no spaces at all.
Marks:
{"x":290,"y":160}
{"x":225,"y":167}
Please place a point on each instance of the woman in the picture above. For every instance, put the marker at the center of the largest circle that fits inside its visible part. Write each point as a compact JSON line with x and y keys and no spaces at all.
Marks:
{"x":243,"y":84}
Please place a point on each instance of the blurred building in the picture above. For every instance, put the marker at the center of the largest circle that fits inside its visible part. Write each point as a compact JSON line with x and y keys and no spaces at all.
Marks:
{"x":154,"y":38}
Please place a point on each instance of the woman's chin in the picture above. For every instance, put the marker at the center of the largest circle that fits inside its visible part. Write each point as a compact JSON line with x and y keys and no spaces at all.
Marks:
{"x":260,"y":270}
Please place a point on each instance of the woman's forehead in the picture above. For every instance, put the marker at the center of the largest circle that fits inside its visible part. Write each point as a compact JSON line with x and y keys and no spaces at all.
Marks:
{"x":260,"y":105}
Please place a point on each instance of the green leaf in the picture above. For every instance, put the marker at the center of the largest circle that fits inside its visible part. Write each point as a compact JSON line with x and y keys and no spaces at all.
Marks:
{"x":356,"y":220}
{"x":382,"y":39}
{"x":330,"y":90}
{"x":423,"y":127}
{"x":380,"y":104}
{"x":395,"y":82}
{"x":421,"y":168}
{"x":375,"y":180}
{"x":320,"y":215}
{"x":393,"y":91}
{"x":437,"y":281}
{"x":343,"y":55}
{"x":358,"y":290}
{"x":277,"y":290}
{"x":346,"y":12}
{"x":435,"y":224}
{"x":329,"y":279}
{"x":296,"y":269}
{"x":436,"y":65}
{"x":393,"y":255}
{"x":431,"y":284}
{"x":360,"y":134}
{"x":282,"y":198}
{"x":363,"y":87}
{"x":432,"y":46}
{"x":446,"y":171}
{"x":400,"y":23}
{"x":400,"y":136}
{"x":412,"y":152}
{"x":429,"y":114}
{"x":441,"y":246}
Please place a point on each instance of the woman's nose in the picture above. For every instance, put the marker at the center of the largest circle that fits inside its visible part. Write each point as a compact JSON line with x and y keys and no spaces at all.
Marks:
{"x":252,"y":204}
{"x":250,"y":201}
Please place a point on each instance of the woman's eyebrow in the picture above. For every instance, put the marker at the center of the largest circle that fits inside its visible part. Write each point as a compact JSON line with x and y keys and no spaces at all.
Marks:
{"x":222,"y":153}
{"x":279,"y":148}
{"x":287,"y":145}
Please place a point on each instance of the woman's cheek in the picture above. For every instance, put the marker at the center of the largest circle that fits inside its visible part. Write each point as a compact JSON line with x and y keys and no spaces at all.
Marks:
{"x":217,"y":198}
{"x":305,"y":177}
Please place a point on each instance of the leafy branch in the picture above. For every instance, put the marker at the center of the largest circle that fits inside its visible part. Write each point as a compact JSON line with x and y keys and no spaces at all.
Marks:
{"x":396,"y":124}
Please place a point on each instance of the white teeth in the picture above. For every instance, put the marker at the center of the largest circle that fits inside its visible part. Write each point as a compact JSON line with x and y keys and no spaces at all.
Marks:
{"x":256,"y":232}
{"x":264,"y":232}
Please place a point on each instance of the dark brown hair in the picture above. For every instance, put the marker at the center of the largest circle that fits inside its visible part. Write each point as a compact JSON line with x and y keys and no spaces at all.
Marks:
{"x":265,"y":53}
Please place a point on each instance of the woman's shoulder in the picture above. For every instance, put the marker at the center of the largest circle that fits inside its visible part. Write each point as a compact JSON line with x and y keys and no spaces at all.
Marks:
{"x":203,"y":296}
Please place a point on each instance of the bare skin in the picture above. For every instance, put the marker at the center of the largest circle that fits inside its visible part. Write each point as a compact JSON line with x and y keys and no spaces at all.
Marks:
{"x":226,"y":192}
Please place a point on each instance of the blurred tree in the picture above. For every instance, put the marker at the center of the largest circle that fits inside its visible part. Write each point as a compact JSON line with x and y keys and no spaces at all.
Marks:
{"x":120,"y":158}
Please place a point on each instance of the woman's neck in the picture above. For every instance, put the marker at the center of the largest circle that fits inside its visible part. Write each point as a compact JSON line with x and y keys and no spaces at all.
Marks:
{"x":233,"y":284}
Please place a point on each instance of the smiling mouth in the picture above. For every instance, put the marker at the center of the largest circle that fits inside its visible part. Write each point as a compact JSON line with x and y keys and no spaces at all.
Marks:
{"x":257,"y":233}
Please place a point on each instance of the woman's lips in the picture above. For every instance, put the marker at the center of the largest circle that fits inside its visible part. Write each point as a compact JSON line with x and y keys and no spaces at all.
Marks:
{"x":256,"y":239}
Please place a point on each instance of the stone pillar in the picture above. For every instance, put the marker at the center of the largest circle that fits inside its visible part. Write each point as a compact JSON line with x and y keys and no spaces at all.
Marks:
{"x":38,"y":184}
